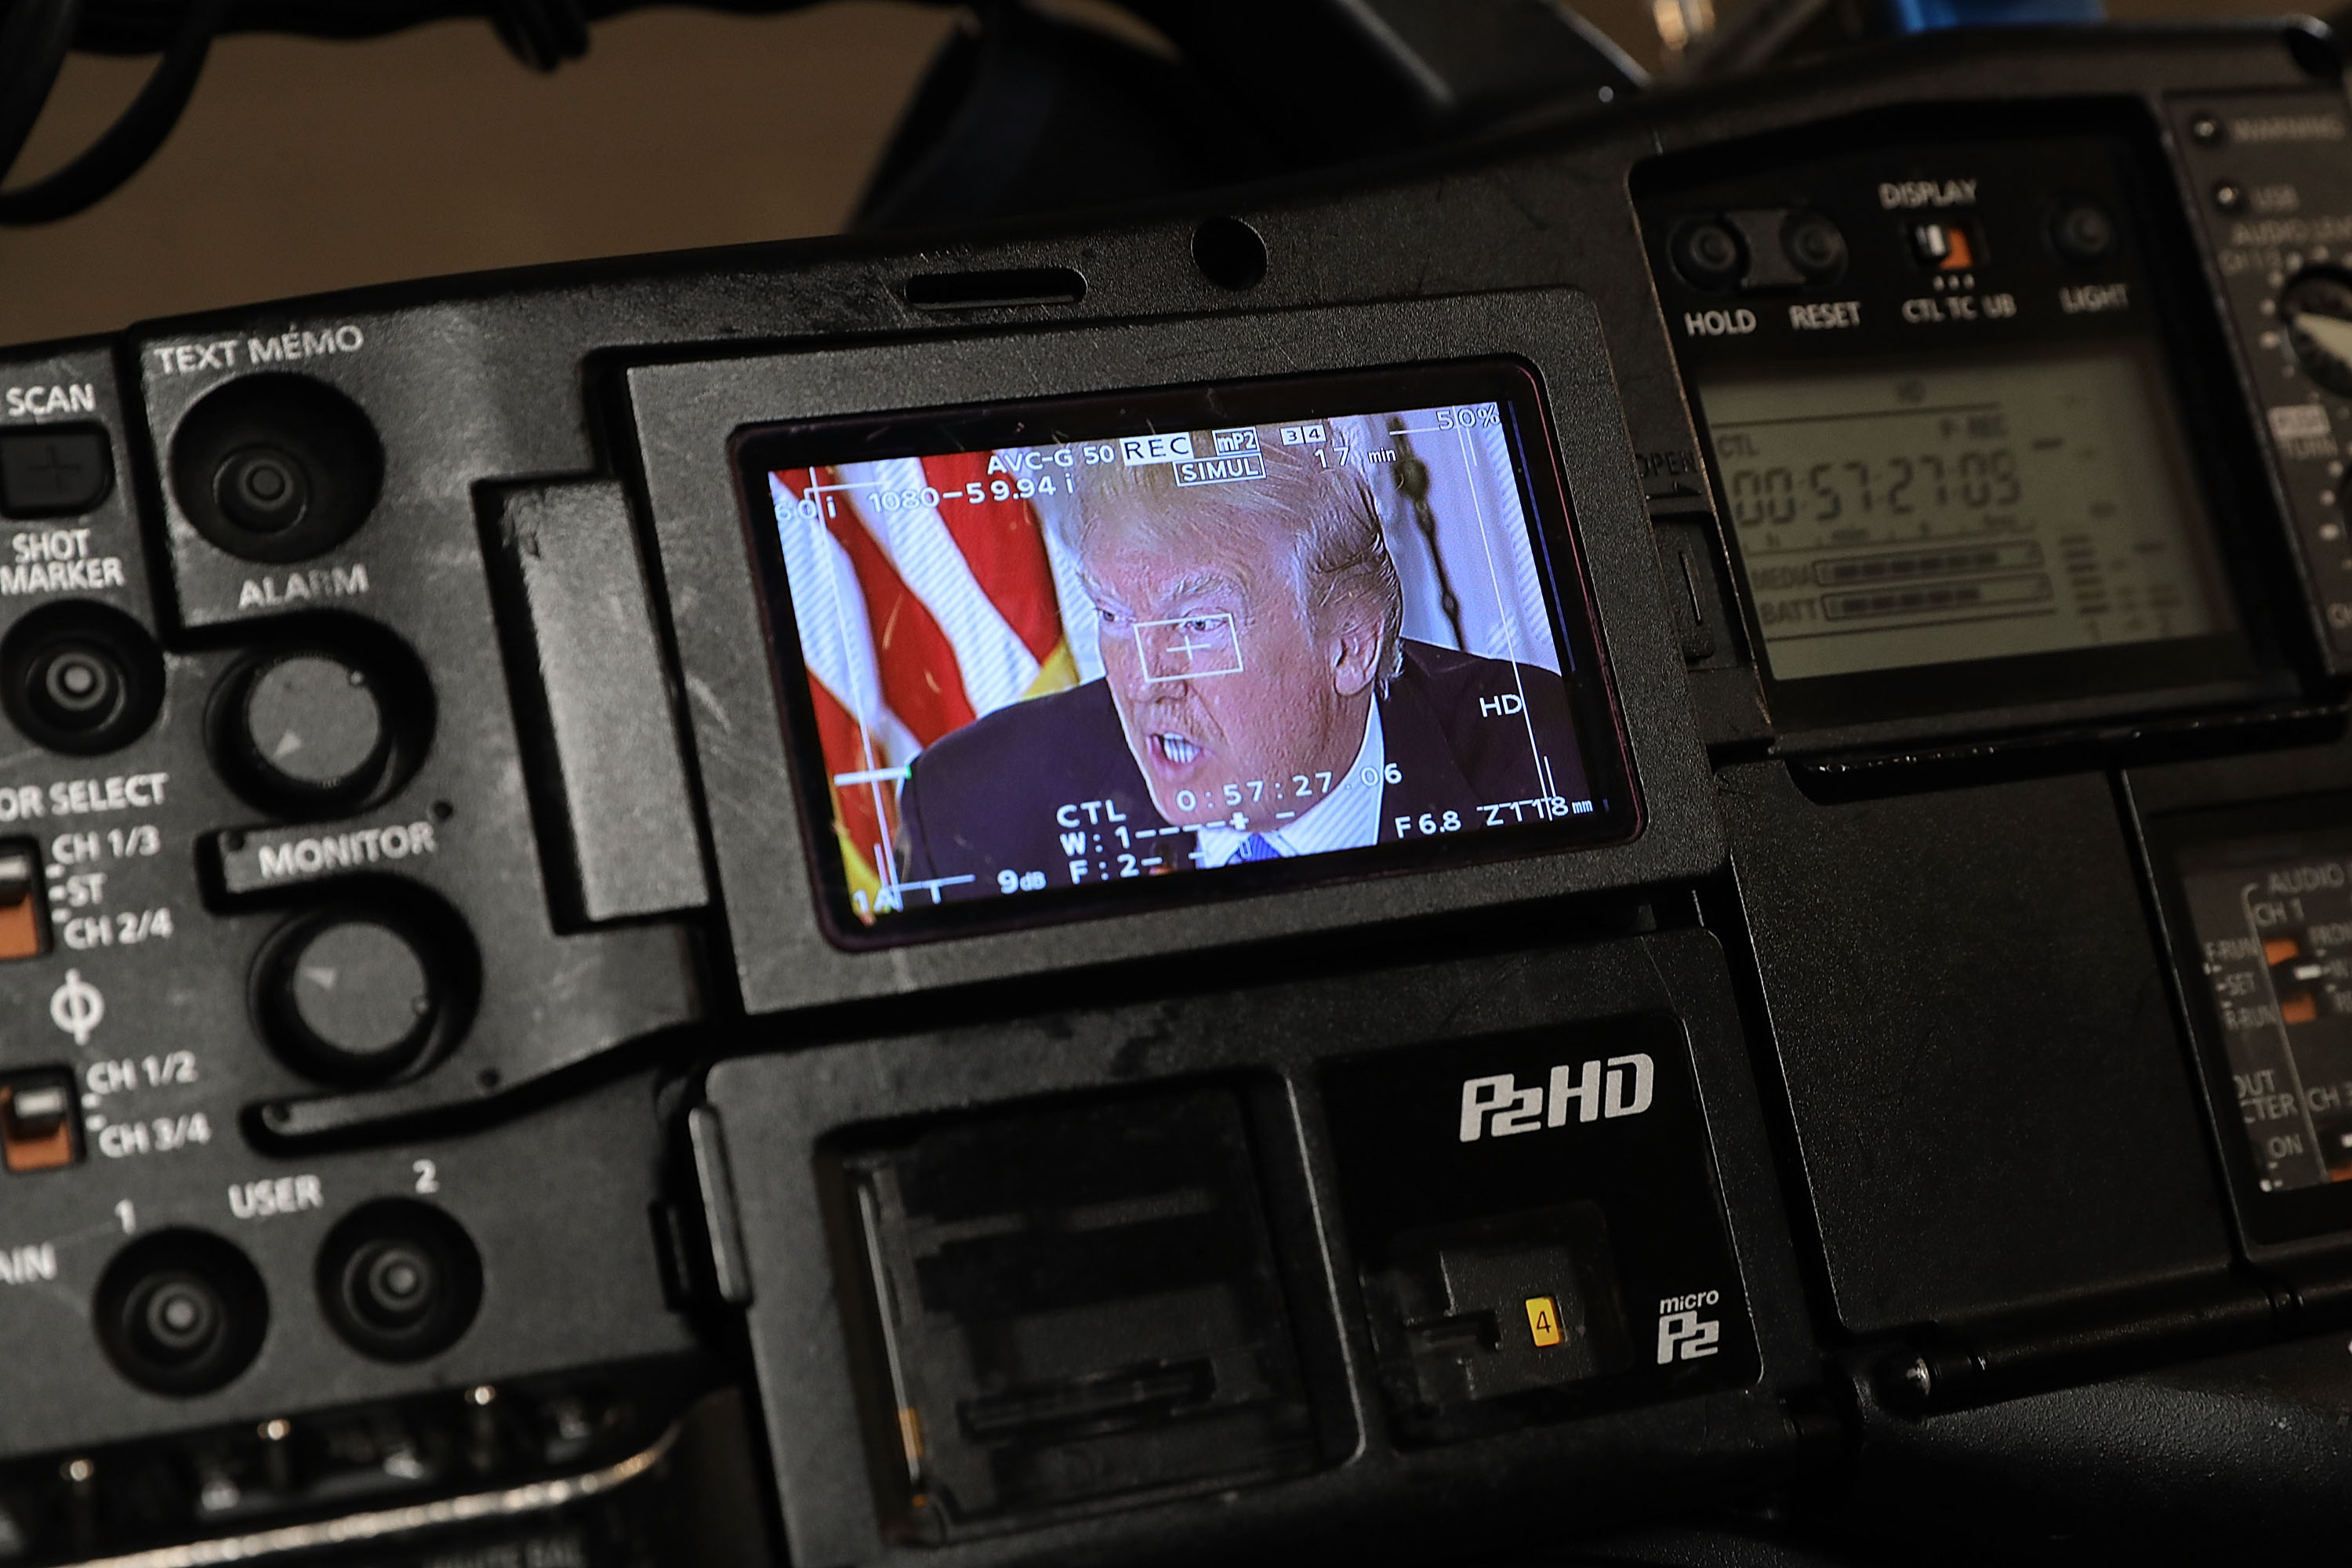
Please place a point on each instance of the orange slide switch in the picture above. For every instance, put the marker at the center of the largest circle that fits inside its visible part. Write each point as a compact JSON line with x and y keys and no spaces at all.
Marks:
{"x":20,"y":906}
{"x":36,"y":1122}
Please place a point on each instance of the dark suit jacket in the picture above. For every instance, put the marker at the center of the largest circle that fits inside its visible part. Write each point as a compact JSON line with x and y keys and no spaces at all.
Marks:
{"x":1005,"y":793}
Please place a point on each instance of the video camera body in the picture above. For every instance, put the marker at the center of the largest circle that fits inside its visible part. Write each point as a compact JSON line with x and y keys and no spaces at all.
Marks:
{"x":1598,"y":831}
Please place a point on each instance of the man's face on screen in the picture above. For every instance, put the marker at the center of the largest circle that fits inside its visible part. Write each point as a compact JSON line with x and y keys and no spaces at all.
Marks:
{"x":1227,"y":694}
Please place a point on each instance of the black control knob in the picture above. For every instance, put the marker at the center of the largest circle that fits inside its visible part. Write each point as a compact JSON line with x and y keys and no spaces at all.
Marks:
{"x":399,"y":1280}
{"x":2082,"y":232}
{"x":312,"y":729}
{"x":265,"y":490}
{"x":2316,"y":309}
{"x":1709,"y":254}
{"x":175,"y":1317}
{"x":350,"y":998}
{"x":390,"y":1284}
{"x":80,"y":678}
{"x":76,"y":685}
{"x":276,"y":467}
{"x":180,"y":1312}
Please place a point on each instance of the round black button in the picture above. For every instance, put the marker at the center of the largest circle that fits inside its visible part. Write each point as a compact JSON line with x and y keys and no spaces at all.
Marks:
{"x":1708,"y":255}
{"x":2083,"y":232}
{"x":399,"y":1281}
{"x":1813,"y":245}
{"x":262,"y":488}
{"x":359,"y":991}
{"x":75,"y":685}
{"x":314,"y":725}
{"x":392,"y":1284}
{"x":175,"y":1317}
{"x":180,"y":1311}
{"x":2316,"y":310}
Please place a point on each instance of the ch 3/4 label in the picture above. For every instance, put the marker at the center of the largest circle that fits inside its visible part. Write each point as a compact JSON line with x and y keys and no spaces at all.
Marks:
{"x":160,"y":1135}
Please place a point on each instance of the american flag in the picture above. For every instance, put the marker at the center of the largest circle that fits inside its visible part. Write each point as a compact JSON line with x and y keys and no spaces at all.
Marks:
{"x":924,"y":595}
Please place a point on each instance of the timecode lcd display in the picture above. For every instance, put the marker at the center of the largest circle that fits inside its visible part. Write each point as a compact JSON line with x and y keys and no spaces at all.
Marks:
{"x":1948,"y":512}
{"x":1044,"y":657}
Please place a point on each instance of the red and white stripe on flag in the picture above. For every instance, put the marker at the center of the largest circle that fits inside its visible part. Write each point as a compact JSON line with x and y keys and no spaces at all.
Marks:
{"x":923,"y":601}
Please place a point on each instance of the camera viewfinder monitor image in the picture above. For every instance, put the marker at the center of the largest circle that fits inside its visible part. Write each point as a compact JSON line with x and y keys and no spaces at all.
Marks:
{"x":1044,"y":661}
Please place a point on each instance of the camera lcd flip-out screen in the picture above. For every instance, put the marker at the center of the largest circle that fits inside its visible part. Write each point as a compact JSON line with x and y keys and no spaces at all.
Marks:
{"x":1907,"y":531}
{"x":1043,"y":658}
{"x":2261,"y":904}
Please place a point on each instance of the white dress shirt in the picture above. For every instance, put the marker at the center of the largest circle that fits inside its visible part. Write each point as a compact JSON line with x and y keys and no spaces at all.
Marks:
{"x":1347,"y":818}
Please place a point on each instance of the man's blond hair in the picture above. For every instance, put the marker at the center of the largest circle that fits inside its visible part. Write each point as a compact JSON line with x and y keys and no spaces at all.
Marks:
{"x":1338,"y":552}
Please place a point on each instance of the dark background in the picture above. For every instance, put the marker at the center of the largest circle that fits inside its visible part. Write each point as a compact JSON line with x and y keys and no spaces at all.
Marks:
{"x":306,"y":166}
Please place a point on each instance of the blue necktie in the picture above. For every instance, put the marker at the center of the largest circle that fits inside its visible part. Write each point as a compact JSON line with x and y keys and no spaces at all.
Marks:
{"x":1254,"y":847}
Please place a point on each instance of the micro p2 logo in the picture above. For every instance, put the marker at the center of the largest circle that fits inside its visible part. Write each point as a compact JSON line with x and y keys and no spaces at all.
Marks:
{"x":1683,"y":1334}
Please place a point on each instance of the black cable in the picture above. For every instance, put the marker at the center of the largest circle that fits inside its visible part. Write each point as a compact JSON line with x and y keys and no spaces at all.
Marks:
{"x":144,"y":27}
{"x":133,"y":138}
{"x":542,"y":33}
{"x":34,"y":37}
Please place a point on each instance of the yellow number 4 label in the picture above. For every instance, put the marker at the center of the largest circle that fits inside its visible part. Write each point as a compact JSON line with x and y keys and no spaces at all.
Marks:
{"x":1543,"y":1320}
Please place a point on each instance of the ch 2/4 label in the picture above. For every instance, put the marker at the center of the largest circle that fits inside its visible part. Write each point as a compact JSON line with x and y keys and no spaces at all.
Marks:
{"x":128,"y":929}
